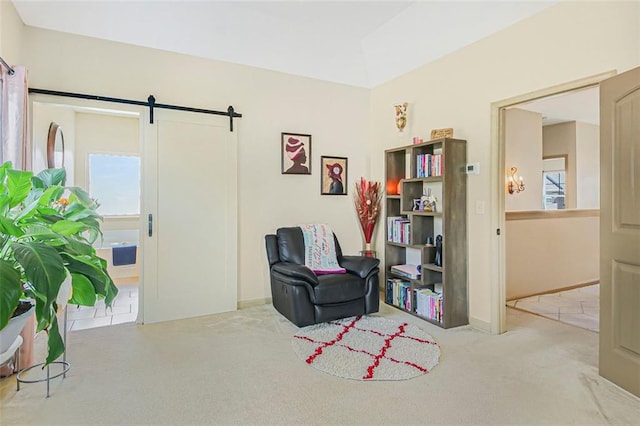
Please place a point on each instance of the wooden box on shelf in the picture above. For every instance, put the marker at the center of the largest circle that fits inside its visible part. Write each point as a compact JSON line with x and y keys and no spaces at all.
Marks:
{"x":438,"y":168}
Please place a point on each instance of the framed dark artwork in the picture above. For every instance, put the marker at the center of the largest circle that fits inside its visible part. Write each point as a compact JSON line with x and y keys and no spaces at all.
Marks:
{"x":295,"y":154}
{"x":333,"y":179}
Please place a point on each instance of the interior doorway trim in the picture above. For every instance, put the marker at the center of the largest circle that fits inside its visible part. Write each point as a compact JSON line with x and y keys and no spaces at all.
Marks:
{"x":498,"y":182}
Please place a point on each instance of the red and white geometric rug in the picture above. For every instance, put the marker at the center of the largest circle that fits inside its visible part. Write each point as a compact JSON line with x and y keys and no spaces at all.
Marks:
{"x":367,"y":348}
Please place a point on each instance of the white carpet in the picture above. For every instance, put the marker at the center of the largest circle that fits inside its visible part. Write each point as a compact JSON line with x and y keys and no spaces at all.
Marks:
{"x":367,"y":348}
{"x":239,"y":368}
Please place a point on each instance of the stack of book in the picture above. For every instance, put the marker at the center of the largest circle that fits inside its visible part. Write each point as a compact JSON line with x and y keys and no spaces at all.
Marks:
{"x":398,"y":293}
{"x":428,"y":165}
{"x":408,"y":271}
{"x":398,"y":229}
{"x":429,"y":303}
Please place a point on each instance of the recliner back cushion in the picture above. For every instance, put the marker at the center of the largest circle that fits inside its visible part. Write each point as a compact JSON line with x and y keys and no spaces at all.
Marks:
{"x":291,"y":245}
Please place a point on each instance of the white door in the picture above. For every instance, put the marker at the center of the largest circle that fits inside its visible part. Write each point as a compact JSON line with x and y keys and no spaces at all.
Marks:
{"x":620,"y":230}
{"x":189,"y":216}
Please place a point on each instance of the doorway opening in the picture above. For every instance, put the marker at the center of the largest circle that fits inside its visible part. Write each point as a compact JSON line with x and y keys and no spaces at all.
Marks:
{"x":528,"y":222}
{"x":552,"y":227}
{"x":102,"y":154}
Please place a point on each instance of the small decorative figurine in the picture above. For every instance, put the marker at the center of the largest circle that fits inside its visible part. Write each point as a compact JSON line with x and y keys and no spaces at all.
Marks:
{"x":428,"y":201}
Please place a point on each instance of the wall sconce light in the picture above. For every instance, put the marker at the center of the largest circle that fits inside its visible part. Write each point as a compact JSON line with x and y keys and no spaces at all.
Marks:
{"x":516,"y":183}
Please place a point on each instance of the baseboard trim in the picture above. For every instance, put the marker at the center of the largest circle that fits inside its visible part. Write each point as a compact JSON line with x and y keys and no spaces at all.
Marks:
{"x":555,"y":290}
{"x":243,"y":304}
{"x":480,"y":325}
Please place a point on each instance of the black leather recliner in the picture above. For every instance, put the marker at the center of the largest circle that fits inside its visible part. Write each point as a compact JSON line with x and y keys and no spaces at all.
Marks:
{"x":306,"y":298}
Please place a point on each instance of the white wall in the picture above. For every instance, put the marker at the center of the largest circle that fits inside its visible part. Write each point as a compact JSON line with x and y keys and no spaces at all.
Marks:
{"x":337,"y":117}
{"x":523,"y":150}
{"x":565,"y":42}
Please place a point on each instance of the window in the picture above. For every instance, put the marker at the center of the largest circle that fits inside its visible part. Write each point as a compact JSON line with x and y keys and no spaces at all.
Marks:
{"x":114,"y":180}
{"x":554,"y":184}
{"x":554,"y":190}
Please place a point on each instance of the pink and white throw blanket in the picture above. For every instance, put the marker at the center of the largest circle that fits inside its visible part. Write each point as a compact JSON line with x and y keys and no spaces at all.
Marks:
{"x":320,"y":250}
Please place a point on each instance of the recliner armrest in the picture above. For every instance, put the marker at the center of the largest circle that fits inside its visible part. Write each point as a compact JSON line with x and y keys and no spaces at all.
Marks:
{"x":361,"y":266}
{"x":296,"y":271}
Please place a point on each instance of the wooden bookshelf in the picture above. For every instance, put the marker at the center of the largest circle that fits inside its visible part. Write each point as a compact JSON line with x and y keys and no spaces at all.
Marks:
{"x":403,"y":165}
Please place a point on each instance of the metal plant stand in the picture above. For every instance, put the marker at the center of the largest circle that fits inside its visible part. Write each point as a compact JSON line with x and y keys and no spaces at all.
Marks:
{"x":65,"y":365}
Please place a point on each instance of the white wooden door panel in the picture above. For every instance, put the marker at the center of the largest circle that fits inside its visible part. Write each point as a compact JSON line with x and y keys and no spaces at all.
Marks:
{"x":190,"y":261}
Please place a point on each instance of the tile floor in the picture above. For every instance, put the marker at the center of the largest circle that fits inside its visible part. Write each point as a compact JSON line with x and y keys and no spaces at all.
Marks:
{"x":124,"y":309}
{"x":579,"y":307}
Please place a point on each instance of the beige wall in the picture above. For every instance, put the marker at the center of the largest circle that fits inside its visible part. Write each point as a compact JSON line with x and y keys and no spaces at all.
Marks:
{"x":565,"y":42}
{"x":102,"y":134}
{"x":580,"y":142}
{"x":337,"y":117}
{"x":42,"y":115}
{"x":548,"y":254}
{"x":523,"y":149}
{"x":588,"y":165}
{"x":11,"y":34}
{"x":559,"y":140}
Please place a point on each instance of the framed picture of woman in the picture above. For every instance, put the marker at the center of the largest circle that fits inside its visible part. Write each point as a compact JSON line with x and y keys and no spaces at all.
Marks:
{"x":333,"y":180}
{"x":296,"y":154}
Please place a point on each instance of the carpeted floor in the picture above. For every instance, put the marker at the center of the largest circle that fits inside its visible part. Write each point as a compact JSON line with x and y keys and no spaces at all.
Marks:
{"x":239,"y":368}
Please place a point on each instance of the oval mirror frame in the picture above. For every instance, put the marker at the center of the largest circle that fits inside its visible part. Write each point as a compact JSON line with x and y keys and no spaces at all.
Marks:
{"x":55,"y":141}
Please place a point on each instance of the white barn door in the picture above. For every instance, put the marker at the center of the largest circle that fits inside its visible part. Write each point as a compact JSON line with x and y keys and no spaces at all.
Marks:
{"x":189,"y":216}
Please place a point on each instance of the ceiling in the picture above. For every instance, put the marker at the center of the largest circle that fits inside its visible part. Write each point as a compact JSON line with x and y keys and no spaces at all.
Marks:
{"x":578,"y":105}
{"x":360,"y":43}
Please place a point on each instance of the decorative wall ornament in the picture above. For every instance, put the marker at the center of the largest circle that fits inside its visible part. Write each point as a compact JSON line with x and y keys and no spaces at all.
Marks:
{"x":295,"y":154}
{"x":333,"y":178}
{"x":515,"y":183}
{"x":401,"y":116}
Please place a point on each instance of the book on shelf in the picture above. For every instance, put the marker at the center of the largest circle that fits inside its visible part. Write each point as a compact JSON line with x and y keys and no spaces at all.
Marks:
{"x":398,"y":292}
{"x":428,"y":165}
{"x":398,"y":229}
{"x":409,"y":271}
{"x":429,"y":304}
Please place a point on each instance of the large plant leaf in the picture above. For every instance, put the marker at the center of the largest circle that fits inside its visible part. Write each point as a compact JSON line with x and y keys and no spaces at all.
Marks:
{"x":83,"y":197}
{"x":78,"y":212}
{"x":67,"y":227}
{"x":50,"y":177}
{"x":18,"y":186}
{"x":51,"y":194}
{"x":3,"y":173}
{"x":76,"y":247}
{"x":55,"y":343}
{"x":7,"y":227}
{"x":111,"y":291}
{"x":10,"y":291}
{"x":83,"y":292}
{"x":90,"y":267}
{"x":4,"y":203}
{"x":43,"y":267}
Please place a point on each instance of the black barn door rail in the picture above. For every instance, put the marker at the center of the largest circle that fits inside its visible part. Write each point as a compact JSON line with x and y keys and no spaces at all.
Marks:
{"x":150,"y":103}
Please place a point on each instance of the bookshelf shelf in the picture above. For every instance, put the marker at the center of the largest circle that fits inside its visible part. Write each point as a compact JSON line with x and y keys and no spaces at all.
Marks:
{"x":439,"y":295}
{"x":432,"y":267}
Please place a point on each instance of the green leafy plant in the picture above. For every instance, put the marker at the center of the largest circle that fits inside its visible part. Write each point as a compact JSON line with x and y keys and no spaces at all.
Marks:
{"x":46,"y":236}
